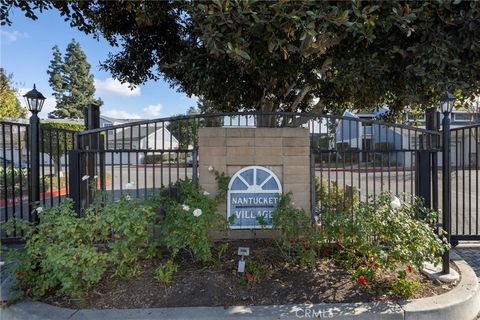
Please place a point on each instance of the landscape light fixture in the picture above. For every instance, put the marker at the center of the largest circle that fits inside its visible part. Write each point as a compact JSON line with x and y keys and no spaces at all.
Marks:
{"x":446,"y":107}
{"x":446,"y":103}
{"x":35,"y":100}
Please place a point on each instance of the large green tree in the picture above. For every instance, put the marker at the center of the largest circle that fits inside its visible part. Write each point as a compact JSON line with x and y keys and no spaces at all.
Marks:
{"x":71,"y":81}
{"x":10,"y":107}
{"x":321,"y":56}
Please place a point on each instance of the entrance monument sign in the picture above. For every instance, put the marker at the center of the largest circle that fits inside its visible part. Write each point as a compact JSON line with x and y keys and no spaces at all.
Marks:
{"x":252,"y":197}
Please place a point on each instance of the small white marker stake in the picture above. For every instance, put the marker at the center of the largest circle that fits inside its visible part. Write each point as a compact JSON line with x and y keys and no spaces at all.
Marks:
{"x":243,"y":252}
{"x":241,"y":266}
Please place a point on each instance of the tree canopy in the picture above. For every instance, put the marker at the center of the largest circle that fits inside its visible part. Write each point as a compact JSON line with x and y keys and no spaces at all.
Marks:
{"x":71,"y":82}
{"x":10,"y":107}
{"x":324,"y":56}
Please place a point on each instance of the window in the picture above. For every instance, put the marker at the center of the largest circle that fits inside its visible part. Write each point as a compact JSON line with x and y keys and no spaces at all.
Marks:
{"x":462,"y":116}
{"x":415,"y":117}
{"x":367,"y":128}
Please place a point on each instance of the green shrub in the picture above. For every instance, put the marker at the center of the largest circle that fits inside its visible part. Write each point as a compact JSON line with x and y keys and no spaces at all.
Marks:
{"x":188,"y":221}
{"x":381,"y":237}
{"x":403,"y":287}
{"x":294,"y":225}
{"x":59,"y":254}
{"x":342,"y":146}
{"x":164,"y":272}
{"x":70,"y":254}
{"x":123,"y":226}
{"x":13,"y":181}
{"x":305,"y":256}
{"x":152,"y":158}
{"x":332,"y":196}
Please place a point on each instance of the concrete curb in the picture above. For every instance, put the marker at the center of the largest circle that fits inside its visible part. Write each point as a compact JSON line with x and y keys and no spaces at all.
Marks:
{"x":463,"y":302}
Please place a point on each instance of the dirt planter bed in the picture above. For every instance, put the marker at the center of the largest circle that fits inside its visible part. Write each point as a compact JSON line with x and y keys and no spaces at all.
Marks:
{"x":461,"y":302}
{"x":218,"y":284}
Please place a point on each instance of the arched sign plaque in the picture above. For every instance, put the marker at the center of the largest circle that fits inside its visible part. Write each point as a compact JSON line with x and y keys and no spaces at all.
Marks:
{"x":252,"y":193}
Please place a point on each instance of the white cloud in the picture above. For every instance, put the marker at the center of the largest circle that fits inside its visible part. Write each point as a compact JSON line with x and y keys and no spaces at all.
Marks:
{"x":12,"y":36}
{"x":115,"y":87}
{"x":153,"y":110}
{"x":121,"y":114}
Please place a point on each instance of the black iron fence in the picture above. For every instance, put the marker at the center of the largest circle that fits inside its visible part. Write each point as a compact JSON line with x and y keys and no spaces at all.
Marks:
{"x":352,"y":160}
{"x":465,"y":162}
{"x":15,"y":170}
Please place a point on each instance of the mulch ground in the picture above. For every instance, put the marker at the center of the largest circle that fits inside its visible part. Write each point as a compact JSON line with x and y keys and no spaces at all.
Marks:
{"x":220,"y":285}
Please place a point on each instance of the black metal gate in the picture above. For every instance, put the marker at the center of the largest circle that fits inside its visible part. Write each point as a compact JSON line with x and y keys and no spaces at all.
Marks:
{"x":15,"y":170}
{"x":465,"y":163}
{"x":360,"y":157}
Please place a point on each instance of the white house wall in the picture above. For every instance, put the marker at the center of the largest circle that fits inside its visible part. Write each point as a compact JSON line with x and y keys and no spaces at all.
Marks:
{"x":164,"y":140}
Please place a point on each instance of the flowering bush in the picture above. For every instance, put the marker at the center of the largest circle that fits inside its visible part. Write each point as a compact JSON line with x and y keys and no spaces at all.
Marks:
{"x":59,"y":254}
{"x":385,"y":234}
{"x":188,"y":221}
{"x":70,"y":254}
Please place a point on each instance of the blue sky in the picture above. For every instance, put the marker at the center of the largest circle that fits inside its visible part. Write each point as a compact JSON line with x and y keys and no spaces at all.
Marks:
{"x":26,"y":51}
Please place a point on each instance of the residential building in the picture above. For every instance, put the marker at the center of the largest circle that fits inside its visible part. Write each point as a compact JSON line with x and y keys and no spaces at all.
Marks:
{"x":361,"y":133}
{"x":135,"y":137}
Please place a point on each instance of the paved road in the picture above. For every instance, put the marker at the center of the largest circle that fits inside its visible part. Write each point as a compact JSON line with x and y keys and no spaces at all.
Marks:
{"x":470,"y":252}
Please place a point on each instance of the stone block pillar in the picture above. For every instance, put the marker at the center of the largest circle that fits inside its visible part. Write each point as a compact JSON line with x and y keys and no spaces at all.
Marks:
{"x":285,"y":151}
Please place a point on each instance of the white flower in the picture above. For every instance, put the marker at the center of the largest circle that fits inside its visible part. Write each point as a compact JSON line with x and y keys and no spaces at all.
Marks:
{"x":130,"y":185}
{"x":39,"y":209}
{"x":127,"y":196}
{"x":85,"y":177}
{"x":206,"y":193}
{"x":395,"y":204}
{"x":95,"y":177}
{"x":210,"y":168}
{"x":185,"y":207}
{"x":197,"y":212}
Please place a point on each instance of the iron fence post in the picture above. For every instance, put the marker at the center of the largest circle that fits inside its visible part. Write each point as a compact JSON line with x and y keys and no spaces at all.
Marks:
{"x":313,"y":200}
{"x":423,"y":177}
{"x":35,"y":164}
{"x":194,"y":165}
{"x":446,"y":191}
{"x":74,"y":179}
{"x":92,"y":121}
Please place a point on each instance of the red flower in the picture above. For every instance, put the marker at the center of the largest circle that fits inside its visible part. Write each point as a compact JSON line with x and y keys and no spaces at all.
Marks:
{"x":409,"y":268}
{"x":249,"y":277}
{"x":19,"y":273}
{"x":362,"y":280}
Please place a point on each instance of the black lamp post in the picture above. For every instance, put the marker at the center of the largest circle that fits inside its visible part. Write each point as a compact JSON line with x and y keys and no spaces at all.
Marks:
{"x":35,"y":102}
{"x":446,"y":106}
